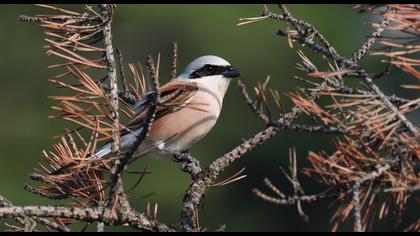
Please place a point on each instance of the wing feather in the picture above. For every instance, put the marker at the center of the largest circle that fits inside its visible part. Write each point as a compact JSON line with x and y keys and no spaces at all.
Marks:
{"x":174,"y":96}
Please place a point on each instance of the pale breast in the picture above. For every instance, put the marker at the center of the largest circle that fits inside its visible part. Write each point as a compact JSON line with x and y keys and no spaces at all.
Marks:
{"x":181,"y":129}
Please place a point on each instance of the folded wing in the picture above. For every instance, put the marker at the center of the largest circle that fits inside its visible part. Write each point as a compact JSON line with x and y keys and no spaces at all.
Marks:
{"x":174,"y":96}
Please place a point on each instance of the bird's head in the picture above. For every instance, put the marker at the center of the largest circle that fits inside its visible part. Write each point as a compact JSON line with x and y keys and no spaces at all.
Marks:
{"x":209,"y":66}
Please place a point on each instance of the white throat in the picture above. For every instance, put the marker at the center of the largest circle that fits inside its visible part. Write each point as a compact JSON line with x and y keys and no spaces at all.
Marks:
{"x":216,"y":83}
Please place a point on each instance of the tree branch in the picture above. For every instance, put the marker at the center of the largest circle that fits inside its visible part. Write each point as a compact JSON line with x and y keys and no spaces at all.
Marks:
{"x":116,"y":179}
{"x":106,"y":13}
{"x":116,"y":187}
{"x":23,"y":219}
{"x":85,"y":214}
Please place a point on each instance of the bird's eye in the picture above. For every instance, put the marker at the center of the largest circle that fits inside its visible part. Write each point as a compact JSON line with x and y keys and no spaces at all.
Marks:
{"x":209,"y":68}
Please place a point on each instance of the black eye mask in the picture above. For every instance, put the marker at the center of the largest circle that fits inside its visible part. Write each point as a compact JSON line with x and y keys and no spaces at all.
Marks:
{"x":209,"y":70}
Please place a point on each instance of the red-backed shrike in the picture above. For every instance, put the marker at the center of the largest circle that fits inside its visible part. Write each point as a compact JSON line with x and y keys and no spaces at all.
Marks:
{"x":188,"y":108}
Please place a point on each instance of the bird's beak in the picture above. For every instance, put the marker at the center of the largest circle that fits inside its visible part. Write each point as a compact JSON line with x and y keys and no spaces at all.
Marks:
{"x":231,"y":73}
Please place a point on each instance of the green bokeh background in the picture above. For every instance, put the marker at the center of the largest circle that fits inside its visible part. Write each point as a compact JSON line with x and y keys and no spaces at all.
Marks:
{"x":199,"y":30}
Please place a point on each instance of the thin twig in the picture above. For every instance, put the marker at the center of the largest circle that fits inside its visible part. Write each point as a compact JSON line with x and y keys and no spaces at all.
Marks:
{"x":127,"y":97}
{"x":264,"y":118}
{"x":307,"y":28}
{"x":121,"y":70}
{"x":356,"y":208}
{"x":310,"y":128}
{"x":369,"y":82}
{"x":174,"y":60}
{"x":370,"y":41}
{"x":292,"y":200}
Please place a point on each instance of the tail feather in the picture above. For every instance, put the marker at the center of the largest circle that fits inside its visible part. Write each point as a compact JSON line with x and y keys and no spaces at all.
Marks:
{"x":103,"y":151}
{"x":127,"y":140}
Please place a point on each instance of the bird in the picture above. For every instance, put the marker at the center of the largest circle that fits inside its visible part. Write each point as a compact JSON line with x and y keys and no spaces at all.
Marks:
{"x":188,"y":108}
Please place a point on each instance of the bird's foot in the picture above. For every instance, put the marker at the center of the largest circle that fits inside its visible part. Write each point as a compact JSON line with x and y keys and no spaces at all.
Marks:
{"x":188,"y":164}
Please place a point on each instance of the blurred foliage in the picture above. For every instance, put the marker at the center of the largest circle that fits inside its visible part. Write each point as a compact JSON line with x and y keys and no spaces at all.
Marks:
{"x":198,"y":30}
